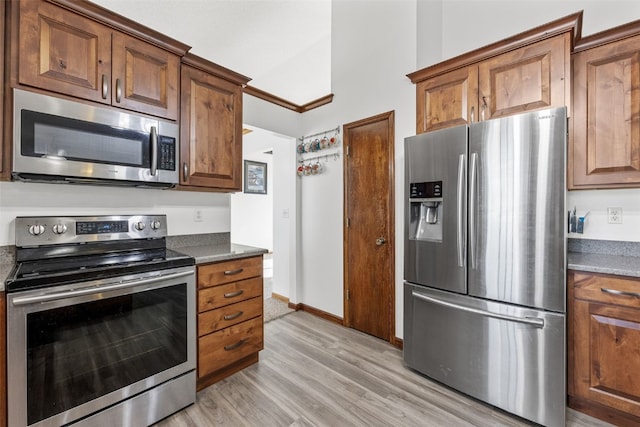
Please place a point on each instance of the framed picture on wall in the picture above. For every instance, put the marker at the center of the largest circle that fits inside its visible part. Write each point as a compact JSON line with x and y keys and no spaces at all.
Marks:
{"x":255,"y":177}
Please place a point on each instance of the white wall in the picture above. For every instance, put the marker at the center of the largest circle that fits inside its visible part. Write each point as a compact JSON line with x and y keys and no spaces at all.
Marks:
{"x":285,"y":255}
{"x":252,"y":214}
{"x":596,"y":202}
{"x":27,"y":199}
{"x":470,"y":24}
{"x":373,"y":47}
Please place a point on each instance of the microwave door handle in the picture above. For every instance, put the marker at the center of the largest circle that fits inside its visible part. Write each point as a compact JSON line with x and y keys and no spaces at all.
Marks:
{"x":154,"y":151}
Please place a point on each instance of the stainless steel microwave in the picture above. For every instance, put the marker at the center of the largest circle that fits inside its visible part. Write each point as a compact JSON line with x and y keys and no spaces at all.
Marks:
{"x":57,"y":140}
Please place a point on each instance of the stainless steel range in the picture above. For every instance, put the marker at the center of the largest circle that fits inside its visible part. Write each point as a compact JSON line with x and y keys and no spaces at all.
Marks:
{"x":101,"y":322}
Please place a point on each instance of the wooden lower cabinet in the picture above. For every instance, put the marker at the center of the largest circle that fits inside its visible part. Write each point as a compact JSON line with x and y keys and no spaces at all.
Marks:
{"x":604,"y":346}
{"x":230,"y":317}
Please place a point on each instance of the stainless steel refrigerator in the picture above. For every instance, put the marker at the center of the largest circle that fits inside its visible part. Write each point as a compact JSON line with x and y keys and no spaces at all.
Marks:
{"x":485,"y":249}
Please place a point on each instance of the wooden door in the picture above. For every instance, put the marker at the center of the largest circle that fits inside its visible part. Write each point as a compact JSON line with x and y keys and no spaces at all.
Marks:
{"x":145,"y":78}
{"x":447,"y":100}
{"x":369,"y":227}
{"x":530,"y":78}
{"x":210,"y":131}
{"x":606,"y":122}
{"x":64,"y":52}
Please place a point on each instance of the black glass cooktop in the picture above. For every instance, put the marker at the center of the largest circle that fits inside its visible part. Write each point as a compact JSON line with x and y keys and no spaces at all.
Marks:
{"x":39,"y":273}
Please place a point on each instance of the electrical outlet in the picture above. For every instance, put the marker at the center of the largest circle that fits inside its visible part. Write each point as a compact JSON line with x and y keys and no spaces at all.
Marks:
{"x":197,"y":215}
{"x":614,"y":215}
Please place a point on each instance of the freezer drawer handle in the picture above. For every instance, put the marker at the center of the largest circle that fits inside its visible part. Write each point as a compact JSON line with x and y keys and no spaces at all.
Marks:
{"x":620,"y":293}
{"x":538,"y":323}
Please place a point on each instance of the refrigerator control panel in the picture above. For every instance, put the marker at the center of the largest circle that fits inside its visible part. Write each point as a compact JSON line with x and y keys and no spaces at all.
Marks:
{"x":425,"y":190}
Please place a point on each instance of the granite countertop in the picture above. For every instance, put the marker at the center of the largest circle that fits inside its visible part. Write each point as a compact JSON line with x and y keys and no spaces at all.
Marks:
{"x":605,"y":264}
{"x":604,"y":256}
{"x":219,"y":252}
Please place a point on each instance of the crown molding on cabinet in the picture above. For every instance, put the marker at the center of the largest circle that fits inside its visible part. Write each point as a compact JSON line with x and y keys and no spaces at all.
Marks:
{"x":266,"y":96}
{"x":214,"y":69}
{"x":571,"y":22}
{"x":607,"y":36}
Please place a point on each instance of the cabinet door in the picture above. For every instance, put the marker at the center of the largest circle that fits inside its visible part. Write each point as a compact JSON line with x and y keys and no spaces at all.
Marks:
{"x":64,"y":52}
{"x":530,"y":78}
{"x":604,"y":338}
{"x":210,"y":131}
{"x":447,"y":100}
{"x":606,"y":122}
{"x":145,"y":78}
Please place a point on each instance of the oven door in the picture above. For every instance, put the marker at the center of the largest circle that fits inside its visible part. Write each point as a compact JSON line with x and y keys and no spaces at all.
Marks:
{"x":76,"y":349}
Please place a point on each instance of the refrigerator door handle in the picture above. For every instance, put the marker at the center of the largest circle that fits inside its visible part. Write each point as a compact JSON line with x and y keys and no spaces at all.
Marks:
{"x":473,"y":186}
{"x":531,"y":321}
{"x":461,"y":211}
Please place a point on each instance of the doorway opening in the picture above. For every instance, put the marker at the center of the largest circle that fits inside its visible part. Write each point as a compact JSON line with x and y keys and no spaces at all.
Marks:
{"x":269,"y":220}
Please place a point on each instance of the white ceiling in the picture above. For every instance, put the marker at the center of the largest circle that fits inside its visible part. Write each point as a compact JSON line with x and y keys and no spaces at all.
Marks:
{"x":283,"y":45}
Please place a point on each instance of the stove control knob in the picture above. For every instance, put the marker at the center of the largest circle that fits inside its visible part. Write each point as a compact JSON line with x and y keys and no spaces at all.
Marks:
{"x":155,"y":225}
{"x":140,"y":225}
{"x":59,"y":228}
{"x":36,"y":230}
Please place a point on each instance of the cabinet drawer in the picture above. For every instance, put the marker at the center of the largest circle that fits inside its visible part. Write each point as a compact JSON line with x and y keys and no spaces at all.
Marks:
{"x":229,"y":271}
{"x":219,"y":349}
{"x":220,"y":296}
{"x":213,"y":320}
{"x":610,"y":290}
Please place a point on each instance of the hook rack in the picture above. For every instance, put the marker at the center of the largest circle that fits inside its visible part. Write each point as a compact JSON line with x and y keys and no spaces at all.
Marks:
{"x":329,"y":139}
{"x":324,"y":157}
{"x":336,"y":130}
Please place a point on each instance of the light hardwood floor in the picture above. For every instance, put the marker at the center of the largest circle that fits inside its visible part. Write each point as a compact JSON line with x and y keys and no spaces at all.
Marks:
{"x":315,"y":373}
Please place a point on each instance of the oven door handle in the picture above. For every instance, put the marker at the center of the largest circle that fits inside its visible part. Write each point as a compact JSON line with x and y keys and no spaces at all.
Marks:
{"x":96,"y":289}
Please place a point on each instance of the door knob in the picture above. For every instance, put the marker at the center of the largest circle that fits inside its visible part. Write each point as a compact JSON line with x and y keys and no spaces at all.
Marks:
{"x":380,"y":241}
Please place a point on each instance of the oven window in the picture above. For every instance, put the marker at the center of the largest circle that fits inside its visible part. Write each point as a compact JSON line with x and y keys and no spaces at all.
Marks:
{"x":81,"y":352}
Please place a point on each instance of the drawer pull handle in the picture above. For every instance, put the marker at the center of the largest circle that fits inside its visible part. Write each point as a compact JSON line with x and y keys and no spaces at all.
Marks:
{"x":620,"y":293}
{"x":232,"y":272}
{"x":233,"y":316}
{"x":234,"y":294}
{"x":234,"y":346}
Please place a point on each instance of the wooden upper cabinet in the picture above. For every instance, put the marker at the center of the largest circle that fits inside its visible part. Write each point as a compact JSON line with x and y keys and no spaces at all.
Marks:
{"x":529,"y":71}
{"x":145,"y":78}
{"x":210,"y":126}
{"x":66,"y":52}
{"x":447,"y":100}
{"x":605,"y":143}
{"x":530,"y":78}
{"x":63,"y":52}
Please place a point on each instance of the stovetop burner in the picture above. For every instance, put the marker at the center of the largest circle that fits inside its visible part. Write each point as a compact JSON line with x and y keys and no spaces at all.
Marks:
{"x":90,"y":248}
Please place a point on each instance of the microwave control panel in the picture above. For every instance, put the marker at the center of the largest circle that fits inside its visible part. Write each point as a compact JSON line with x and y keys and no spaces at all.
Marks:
{"x":166,"y":153}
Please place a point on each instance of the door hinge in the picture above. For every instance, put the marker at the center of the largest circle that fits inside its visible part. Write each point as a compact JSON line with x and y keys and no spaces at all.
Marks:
{"x":348,"y":295}
{"x":348,"y":222}
{"x":347,"y":148}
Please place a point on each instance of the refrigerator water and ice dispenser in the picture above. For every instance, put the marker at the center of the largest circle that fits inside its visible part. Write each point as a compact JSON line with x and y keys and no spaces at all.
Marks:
{"x":426,"y":216}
